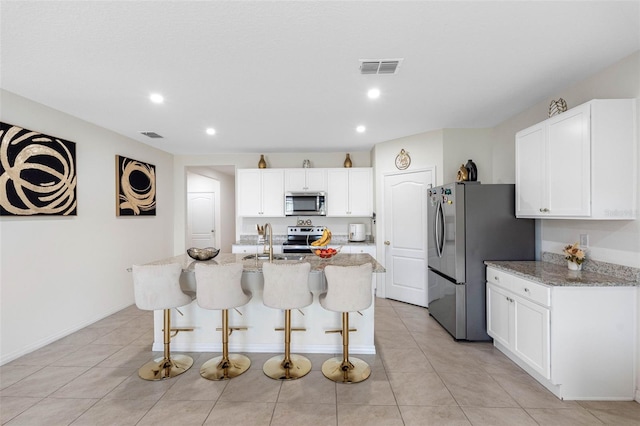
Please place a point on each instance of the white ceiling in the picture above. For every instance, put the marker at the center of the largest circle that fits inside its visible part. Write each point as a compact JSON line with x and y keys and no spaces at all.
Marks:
{"x":284,"y":77}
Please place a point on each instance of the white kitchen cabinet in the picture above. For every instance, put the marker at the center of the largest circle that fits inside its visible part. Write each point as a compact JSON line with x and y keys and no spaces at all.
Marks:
{"x":579,"y":164}
{"x":260,"y":192}
{"x":577,"y":341}
{"x":517,"y":322}
{"x":349,"y":192}
{"x":253,"y":248}
{"x":305,"y":179}
{"x":360,"y":248}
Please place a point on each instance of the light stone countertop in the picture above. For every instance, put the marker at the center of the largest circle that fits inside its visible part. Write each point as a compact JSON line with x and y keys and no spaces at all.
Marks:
{"x":254,"y":265}
{"x":558,"y":275}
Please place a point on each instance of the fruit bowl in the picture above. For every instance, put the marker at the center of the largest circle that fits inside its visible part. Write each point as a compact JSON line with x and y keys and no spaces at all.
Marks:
{"x":325,"y":252}
{"x":203,"y":253}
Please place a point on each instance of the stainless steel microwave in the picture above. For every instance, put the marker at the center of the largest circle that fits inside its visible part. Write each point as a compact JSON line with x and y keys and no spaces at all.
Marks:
{"x":305,"y":204}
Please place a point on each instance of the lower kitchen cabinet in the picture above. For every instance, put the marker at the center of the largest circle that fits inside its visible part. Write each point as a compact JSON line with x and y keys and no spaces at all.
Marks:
{"x":253,"y":248}
{"x":519,"y":325}
{"x":577,"y":341}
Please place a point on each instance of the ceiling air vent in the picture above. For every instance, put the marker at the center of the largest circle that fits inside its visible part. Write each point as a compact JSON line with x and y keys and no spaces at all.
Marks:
{"x":379,"y":66}
{"x":152,"y":135}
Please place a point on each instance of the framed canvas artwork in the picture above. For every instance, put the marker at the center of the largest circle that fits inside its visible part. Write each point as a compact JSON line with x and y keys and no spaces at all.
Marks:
{"x":135,"y":187}
{"x":37,"y":173}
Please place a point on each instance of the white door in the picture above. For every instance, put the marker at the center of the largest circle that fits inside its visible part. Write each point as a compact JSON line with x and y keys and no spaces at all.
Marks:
{"x":201,"y":223}
{"x":405,"y":235}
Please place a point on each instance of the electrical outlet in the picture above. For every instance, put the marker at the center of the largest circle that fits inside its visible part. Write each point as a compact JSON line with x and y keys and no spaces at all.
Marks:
{"x":584,"y":240}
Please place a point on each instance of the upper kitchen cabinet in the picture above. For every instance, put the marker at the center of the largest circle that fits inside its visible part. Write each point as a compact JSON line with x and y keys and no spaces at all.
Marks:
{"x":305,"y":179}
{"x":260,"y":192}
{"x":580,"y":164}
{"x":349,"y":192}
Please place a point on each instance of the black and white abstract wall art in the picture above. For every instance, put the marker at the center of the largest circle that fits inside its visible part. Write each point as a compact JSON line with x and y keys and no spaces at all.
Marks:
{"x":135,"y":187}
{"x":37,"y":173}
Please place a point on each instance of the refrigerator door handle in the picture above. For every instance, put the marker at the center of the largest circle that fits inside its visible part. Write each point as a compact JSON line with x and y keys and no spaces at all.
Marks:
{"x":439,"y":224}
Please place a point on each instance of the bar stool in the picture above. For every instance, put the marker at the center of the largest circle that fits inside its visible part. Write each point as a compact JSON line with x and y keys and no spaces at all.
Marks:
{"x":286,"y":287}
{"x":158,"y":287}
{"x":219,"y":287}
{"x":348,"y":290}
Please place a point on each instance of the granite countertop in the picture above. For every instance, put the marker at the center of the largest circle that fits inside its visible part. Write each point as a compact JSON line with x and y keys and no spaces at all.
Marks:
{"x":254,"y":265}
{"x":552,"y":274}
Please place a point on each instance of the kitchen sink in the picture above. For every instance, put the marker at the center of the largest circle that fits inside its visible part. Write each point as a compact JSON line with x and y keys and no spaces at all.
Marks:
{"x":275,"y":257}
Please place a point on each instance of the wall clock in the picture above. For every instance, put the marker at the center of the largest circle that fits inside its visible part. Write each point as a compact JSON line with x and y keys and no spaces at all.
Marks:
{"x":403,"y":160}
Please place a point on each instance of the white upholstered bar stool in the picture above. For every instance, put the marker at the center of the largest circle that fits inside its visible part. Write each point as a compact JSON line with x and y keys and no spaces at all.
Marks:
{"x":348,"y":290}
{"x":220,"y":287}
{"x":286,"y":287}
{"x":158,"y":287}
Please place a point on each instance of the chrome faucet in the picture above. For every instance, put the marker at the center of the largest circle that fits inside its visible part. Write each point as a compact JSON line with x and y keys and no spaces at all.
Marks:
{"x":264,"y":248}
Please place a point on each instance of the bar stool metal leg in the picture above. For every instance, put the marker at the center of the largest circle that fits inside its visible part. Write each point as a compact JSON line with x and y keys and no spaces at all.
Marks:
{"x":167,"y":366}
{"x":345,"y":369}
{"x":288,"y":366}
{"x":227,"y":366}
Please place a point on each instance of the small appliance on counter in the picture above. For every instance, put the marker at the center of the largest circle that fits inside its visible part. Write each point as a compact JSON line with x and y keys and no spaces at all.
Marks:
{"x":357,"y":232}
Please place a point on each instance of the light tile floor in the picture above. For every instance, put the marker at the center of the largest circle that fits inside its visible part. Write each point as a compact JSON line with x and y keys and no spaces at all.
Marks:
{"x":421,"y":376}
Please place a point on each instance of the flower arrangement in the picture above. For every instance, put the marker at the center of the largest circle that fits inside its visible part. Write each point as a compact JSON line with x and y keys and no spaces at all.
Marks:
{"x":573,"y":253}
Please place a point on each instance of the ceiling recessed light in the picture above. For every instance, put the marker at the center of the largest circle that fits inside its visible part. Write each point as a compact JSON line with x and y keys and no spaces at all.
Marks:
{"x":360,"y":129}
{"x":156,"y":98}
{"x":211,"y":131}
{"x":373,"y":93}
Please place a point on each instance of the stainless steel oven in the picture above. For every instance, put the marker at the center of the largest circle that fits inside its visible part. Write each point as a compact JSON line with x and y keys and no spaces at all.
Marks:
{"x":299,"y":238}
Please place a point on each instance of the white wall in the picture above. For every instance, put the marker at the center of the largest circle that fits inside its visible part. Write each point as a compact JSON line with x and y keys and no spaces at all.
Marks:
{"x":60,"y":274}
{"x":461,"y":145}
{"x":610,"y":241}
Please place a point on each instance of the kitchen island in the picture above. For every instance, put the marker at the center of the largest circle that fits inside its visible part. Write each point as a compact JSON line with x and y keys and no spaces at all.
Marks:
{"x":261,"y":320}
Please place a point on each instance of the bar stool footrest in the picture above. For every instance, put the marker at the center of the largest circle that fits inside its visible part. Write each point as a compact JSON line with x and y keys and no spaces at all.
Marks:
{"x":339,"y":330}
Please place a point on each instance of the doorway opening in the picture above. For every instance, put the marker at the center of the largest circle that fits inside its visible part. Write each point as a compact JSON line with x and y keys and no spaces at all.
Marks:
{"x":210,"y":207}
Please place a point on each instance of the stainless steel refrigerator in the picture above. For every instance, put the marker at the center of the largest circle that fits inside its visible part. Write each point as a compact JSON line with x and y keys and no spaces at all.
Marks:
{"x":470,"y":223}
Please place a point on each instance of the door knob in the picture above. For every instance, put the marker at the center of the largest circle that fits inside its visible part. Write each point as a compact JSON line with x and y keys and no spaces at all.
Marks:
{"x":386,"y":243}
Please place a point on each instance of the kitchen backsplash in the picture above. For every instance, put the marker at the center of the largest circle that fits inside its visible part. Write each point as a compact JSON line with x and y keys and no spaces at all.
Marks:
{"x":620,"y":271}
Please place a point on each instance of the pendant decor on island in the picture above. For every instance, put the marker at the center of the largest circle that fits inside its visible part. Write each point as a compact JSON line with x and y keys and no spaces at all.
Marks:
{"x":262,"y":164}
{"x":347,"y":161}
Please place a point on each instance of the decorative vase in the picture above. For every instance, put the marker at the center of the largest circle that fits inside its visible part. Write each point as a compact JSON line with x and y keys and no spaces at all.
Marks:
{"x":347,"y":161}
{"x":262,"y":164}
{"x":463,"y":174}
{"x":472,"y":169}
{"x":573,"y":266}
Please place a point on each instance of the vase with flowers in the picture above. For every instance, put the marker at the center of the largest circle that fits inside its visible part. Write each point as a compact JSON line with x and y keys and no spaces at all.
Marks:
{"x":575,"y":256}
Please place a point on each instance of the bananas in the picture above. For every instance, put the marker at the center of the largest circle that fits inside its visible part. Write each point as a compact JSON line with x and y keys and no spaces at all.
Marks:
{"x":324,"y":240}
